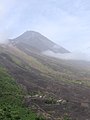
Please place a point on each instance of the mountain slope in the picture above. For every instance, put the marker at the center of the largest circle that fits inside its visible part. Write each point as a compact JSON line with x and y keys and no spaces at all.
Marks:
{"x":11,"y":99}
{"x":47,"y":80}
{"x":35,"y":42}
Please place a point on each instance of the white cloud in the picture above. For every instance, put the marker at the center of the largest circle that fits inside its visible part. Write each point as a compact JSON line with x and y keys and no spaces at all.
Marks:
{"x":68,"y":56}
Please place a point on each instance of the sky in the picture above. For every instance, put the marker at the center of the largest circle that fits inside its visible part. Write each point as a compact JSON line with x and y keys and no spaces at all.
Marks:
{"x":66,"y":22}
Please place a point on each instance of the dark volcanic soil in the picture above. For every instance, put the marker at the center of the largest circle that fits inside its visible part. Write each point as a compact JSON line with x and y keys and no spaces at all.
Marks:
{"x":76,"y":97}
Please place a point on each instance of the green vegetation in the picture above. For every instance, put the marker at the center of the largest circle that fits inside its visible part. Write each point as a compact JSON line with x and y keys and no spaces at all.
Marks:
{"x":40,"y":118}
{"x":50,"y":101}
{"x":11,"y":97}
{"x":66,"y":117}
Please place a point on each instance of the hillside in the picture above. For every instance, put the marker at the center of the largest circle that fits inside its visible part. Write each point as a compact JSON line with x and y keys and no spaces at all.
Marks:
{"x":55,"y":88}
{"x":35,"y":42}
{"x":11,"y":99}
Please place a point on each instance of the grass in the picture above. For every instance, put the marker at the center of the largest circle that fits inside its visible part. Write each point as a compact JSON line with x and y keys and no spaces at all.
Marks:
{"x":60,"y":71}
{"x":11,"y":97}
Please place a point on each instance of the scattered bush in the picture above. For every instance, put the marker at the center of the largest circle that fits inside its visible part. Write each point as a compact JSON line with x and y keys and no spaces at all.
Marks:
{"x":50,"y":101}
{"x":40,"y":118}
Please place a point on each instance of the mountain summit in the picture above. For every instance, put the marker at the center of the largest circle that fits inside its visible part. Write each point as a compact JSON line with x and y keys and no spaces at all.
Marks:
{"x":34,"y":41}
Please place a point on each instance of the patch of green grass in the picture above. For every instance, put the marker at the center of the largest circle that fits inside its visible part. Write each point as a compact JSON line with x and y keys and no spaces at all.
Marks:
{"x":11,"y":97}
{"x":66,"y":117}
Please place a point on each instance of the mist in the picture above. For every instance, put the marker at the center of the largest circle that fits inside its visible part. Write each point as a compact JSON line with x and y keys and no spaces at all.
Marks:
{"x":3,"y":38}
{"x":69,"y":56}
{"x":66,"y":22}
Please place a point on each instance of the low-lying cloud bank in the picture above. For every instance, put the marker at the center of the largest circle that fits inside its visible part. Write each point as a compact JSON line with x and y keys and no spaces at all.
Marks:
{"x":68,"y":56}
{"x":3,"y":38}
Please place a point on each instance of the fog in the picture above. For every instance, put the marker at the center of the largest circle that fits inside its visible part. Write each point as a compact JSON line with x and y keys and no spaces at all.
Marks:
{"x":3,"y":38}
{"x":65,"y":22}
{"x":69,"y":56}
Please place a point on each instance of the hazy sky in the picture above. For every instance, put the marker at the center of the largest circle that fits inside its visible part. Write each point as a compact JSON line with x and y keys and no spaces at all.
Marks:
{"x":66,"y":22}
